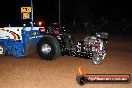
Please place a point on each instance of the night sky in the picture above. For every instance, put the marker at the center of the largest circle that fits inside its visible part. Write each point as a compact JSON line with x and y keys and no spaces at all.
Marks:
{"x":70,"y":10}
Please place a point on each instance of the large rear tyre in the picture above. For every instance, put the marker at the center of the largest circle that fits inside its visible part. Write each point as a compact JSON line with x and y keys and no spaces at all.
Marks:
{"x":48,"y":48}
{"x":2,"y":50}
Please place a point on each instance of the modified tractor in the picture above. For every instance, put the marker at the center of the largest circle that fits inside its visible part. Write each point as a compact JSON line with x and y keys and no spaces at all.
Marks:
{"x":51,"y":42}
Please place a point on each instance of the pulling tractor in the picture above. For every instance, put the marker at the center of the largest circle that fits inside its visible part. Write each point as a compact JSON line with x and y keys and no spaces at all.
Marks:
{"x":51,"y":42}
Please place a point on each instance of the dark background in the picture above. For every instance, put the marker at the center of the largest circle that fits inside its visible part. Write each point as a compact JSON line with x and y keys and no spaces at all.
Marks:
{"x":73,"y":12}
{"x":70,"y":9}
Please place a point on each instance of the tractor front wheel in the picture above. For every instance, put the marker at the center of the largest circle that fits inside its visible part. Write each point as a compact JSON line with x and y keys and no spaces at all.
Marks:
{"x":2,"y":50}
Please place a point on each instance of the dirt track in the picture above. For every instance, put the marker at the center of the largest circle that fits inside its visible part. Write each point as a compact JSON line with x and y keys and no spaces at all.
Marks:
{"x":33,"y":72}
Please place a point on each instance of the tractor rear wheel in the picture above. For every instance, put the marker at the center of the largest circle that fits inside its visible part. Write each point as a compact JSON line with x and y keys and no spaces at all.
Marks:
{"x":48,"y":48}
